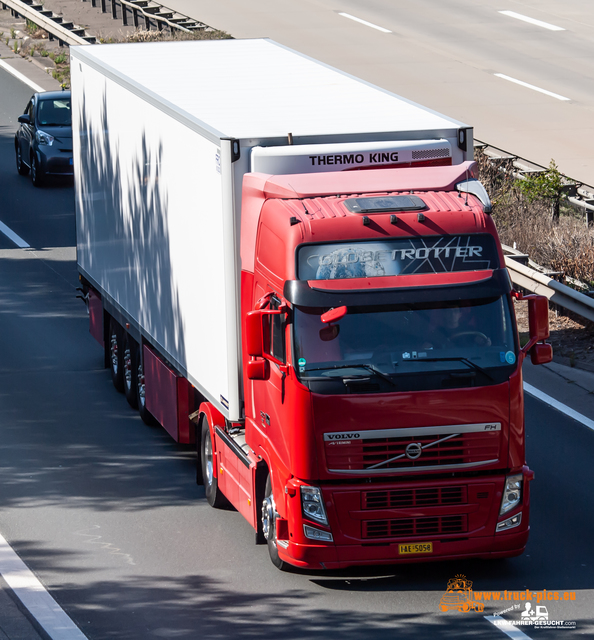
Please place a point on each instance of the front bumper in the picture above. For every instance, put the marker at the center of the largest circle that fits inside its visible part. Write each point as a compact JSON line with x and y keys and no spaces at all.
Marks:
{"x":55,"y":162}
{"x":457,"y":516}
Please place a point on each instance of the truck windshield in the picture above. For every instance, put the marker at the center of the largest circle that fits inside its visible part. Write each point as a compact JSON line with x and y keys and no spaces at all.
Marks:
{"x":461,"y":340}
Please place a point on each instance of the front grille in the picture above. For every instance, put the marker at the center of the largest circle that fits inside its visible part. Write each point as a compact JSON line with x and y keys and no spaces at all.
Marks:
{"x":404,"y":498}
{"x":405,"y":527}
{"x":384,"y":454}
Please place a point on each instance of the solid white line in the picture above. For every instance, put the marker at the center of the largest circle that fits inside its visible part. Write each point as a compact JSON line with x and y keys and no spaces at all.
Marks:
{"x":20,"y":76}
{"x":531,"y":86}
{"x":538,"y":23}
{"x":9,"y":233}
{"x":512,"y":632}
{"x":36,"y":599}
{"x":367,"y":24}
{"x":533,"y":391}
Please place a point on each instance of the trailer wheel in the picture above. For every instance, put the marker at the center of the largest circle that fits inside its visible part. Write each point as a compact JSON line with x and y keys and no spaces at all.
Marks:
{"x":129,"y":371}
{"x":115,"y":355}
{"x":145,"y":415}
{"x":269,"y":526}
{"x":214,"y":495}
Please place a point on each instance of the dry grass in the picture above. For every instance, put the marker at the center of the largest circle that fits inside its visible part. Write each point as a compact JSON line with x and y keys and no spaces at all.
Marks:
{"x":566,"y":245}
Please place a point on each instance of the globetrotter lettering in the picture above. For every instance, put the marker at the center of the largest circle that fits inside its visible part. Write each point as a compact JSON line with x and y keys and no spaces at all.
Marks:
{"x":397,"y":256}
{"x":354,"y":158}
{"x":422,"y":253}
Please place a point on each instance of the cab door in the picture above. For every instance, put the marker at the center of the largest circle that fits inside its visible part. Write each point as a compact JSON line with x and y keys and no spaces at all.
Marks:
{"x":271,"y":412}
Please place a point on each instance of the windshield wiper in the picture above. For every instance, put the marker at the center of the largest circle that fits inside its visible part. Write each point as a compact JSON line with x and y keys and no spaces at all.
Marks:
{"x":466,"y":361}
{"x":368,"y":367}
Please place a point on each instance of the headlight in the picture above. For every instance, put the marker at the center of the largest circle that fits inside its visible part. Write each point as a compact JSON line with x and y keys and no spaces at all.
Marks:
{"x":312,"y":504}
{"x":512,"y":494}
{"x":44,"y":138}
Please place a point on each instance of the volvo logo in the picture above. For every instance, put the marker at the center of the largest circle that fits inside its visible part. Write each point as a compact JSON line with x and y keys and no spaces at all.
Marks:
{"x":341,"y":436}
{"x":414,"y":450}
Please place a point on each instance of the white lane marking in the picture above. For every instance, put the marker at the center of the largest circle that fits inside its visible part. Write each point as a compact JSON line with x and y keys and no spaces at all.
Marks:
{"x":512,"y":632}
{"x":36,"y":599}
{"x":367,"y":24}
{"x":9,"y":233}
{"x":20,"y":76}
{"x":538,"y":23}
{"x":568,"y":411}
{"x":531,"y":86}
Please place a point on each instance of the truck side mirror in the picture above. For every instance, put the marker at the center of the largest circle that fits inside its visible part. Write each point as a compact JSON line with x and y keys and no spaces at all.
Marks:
{"x":538,"y":323}
{"x":541,"y":353}
{"x":258,"y":370}
{"x":254,"y":334}
{"x":257,"y":327}
{"x":538,"y":317}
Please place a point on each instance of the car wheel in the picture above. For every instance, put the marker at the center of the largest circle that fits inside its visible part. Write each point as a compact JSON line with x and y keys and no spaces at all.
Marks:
{"x":36,"y":174}
{"x":22,"y":168}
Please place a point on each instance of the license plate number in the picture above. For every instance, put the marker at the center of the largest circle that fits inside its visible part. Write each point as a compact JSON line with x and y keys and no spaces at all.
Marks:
{"x":418,"y":547}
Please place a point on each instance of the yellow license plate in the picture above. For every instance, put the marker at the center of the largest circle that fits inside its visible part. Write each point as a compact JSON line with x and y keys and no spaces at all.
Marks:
{"x":418,"y":547}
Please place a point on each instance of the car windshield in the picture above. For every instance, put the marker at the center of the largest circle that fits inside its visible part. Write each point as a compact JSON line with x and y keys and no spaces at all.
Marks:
{"x":403,"y":340}
{"x":54,"y":113}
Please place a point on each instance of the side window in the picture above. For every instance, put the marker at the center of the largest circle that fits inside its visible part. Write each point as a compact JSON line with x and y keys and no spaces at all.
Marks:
{"x":277,"y":331}
{"x":31,"y":111}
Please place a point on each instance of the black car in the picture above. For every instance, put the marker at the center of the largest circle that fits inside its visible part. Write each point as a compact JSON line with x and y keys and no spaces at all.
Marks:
{"x":43,"y":143}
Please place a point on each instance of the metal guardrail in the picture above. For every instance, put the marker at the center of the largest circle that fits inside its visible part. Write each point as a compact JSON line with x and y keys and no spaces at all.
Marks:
{"x":579,"y":195}
{"x":148,"y":14}
{"x":543,"y":284}
{"x":138,"y":13}
{"x":63,"y":31}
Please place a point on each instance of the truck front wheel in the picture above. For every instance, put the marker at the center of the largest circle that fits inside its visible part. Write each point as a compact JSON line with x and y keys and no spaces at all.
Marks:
{"x":269,"y":526}
{"x":214,"y":495}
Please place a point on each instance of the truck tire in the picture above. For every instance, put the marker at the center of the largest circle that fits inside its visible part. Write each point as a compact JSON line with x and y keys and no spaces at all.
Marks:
{"x":129,"y":371}
{"x":114,"y":344}
{"x":214,"y":495}
{"x":145,"y":415}
{"x":198,"y":430}
{"x":269,"y":526}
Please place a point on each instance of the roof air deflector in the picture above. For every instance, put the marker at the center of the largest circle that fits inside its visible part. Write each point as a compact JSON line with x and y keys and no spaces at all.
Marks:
{"x":383,"y":204}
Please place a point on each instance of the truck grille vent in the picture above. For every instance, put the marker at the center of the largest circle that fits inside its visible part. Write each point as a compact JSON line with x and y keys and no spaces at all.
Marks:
{"x":406,"y":527}
{"x":426,"y":154}
{"x":387,"y":454}
{"x":403,"y":498}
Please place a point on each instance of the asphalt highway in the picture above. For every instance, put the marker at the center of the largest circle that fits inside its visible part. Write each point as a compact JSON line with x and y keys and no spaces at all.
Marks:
{"x":463,"y":58}
{"x":105,"y":512}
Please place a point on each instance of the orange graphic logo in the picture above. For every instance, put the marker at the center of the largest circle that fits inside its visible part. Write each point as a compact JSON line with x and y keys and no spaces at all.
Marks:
{"x":460,"y":596}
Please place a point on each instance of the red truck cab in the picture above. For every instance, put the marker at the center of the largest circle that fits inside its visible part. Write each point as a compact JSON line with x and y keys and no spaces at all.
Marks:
{"x":384,"y":414}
